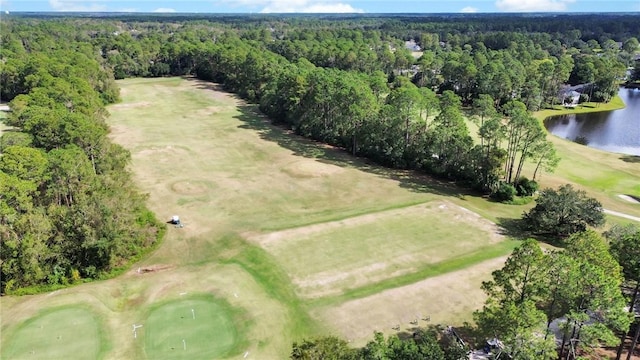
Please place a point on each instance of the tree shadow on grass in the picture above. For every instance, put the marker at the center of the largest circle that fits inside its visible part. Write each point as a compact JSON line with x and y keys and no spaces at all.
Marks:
{"x":516,"y":229}
{"x":635,"y":159}
{"x":513,"y":228}
{"x":253,"y":119}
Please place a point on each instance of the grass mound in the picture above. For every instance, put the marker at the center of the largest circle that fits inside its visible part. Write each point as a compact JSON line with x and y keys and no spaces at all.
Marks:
{"x":59,"y":333}
{"x":198,"y":327}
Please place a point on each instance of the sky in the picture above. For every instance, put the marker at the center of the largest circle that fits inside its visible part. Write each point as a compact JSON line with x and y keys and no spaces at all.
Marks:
{"x":323,"y":6}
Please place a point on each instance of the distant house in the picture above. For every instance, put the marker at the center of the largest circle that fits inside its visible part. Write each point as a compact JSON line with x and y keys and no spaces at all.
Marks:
{"x":571,"y":98}
{"x":412,"y":46}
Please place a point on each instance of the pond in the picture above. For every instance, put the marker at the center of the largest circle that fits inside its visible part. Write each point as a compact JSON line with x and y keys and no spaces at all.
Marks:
{"x":615,"y":131}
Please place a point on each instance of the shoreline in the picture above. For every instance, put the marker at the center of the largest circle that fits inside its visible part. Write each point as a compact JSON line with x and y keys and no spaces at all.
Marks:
{"x":616,"y":103}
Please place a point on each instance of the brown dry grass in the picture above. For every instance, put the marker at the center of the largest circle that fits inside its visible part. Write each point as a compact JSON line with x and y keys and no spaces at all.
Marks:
{"x":447,"y":299}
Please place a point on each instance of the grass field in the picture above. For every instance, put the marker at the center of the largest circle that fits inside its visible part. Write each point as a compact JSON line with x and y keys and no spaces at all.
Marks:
{"x":336,"y":257}
{"x":197,"y":327}
{"x":58,"y":333}
{"x":284,"y":238}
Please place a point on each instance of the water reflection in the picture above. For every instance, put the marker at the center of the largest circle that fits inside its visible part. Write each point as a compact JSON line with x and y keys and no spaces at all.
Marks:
{"x":616,"y":131}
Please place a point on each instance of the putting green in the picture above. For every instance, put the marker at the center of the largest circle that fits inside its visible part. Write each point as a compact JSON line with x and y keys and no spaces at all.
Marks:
{"x":199,"y":327}
{"x":58,"y":333}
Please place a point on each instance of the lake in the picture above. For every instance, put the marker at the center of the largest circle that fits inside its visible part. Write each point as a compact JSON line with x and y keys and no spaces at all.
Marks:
{"x":615,"y":131}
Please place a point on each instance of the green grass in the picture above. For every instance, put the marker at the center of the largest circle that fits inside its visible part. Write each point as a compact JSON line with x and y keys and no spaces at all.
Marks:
{"x":209,"y":332}
{"x":70,"y":332}
{"x":378,"y":246}
{"x":270,"y":276}
{"x":451,"y":264}
{"x":615,"y":104}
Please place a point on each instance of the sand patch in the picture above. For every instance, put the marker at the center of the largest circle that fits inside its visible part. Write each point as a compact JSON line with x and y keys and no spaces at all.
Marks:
{"x":136,"y":105}
{"x":308,"y":168}
{"x":629,"y":198}
{"x":151,"y":269}
{"x":162,"y":150}
{"x":452,"y":295}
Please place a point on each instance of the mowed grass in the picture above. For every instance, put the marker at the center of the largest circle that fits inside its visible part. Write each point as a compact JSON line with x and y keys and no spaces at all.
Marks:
{"x":58,"y":333}
{"x":199,"y":327}
{"x":332,"y":258}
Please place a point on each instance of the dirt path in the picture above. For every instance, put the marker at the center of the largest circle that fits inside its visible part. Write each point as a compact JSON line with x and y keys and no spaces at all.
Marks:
{"x":623,"y":215}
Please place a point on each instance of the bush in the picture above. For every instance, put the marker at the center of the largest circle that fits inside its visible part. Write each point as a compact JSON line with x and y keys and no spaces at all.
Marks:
{"x":564,"y":212}
{"x":526,"y":187}
{"x":505,"y":192}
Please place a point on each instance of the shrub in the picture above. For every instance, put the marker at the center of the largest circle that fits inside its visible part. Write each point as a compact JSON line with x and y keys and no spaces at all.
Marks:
{"x":504,"y":193}
{"x":526,"y":187}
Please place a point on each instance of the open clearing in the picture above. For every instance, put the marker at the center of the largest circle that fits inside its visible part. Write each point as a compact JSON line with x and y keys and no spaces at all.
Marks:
{"x":293,"y":238}
{"x":58,"y":333}
{"x":329,"y":258}
{"x":358,"y":319}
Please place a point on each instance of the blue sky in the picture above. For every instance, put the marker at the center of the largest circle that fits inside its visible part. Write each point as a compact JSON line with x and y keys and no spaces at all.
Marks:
{"x":326,"y":6}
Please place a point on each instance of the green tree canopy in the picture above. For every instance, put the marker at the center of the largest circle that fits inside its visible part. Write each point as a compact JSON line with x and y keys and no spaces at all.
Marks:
{"x":563,"y":212}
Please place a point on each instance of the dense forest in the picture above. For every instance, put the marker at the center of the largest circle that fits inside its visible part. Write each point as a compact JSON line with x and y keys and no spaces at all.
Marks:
{"x":68,"y":208}
{"x":396,"y":90}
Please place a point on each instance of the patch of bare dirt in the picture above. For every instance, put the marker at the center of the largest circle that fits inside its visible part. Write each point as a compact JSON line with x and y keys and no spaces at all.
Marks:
{"x":449,"y":296}
{"x":190,"y":187}
{"x":137,"y":105}
{"x":152,"y":269}
{"x":630,"y":199}
{"x":169,"y":149}
{"x":323,"y":284}
{"x":309,"y":168}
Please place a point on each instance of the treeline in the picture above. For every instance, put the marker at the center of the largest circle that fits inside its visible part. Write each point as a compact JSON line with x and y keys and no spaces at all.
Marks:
{"x":68,"y":208}
{"x":356,"y":86}
{"x":425,"y":344}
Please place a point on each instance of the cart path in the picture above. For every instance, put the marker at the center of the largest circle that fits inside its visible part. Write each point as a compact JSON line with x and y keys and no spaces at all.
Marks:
{"x":626,"y":216}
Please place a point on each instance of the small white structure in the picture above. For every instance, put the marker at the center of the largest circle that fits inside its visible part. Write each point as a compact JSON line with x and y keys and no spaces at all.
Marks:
{"x":175,"y":220}
{"x":571,"y":99}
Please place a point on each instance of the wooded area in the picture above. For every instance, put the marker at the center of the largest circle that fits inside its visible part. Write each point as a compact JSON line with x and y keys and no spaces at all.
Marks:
{"x":69,"y":210}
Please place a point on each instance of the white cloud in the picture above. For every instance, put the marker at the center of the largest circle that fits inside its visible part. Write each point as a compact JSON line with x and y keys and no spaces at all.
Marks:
{"x":532,"y":5}
{"x":164,"y":10}
{"x":75,"y":5}
{"x":469,"y":9}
